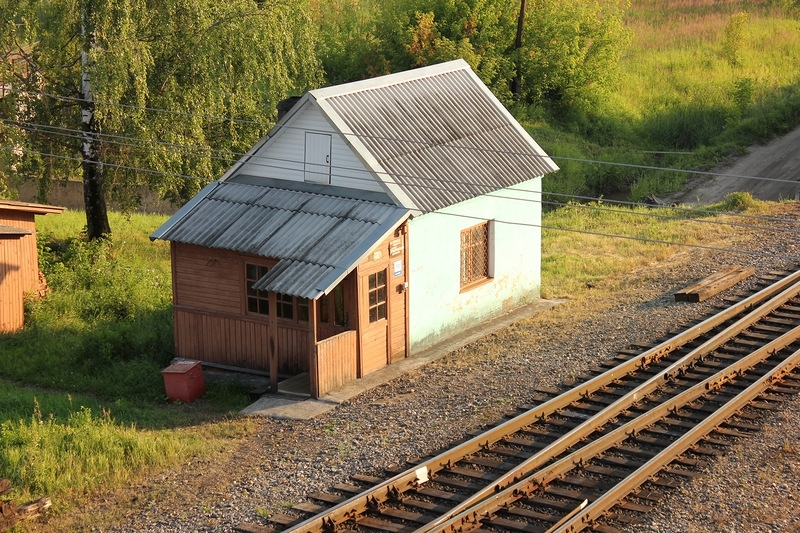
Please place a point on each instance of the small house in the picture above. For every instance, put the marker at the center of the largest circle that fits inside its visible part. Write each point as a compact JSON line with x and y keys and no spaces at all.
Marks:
{"x":375,"y":220}
{"x":19,"y":262}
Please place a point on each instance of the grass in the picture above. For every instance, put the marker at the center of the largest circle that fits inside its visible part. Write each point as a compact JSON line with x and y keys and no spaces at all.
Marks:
{"x":81,"y":395}
{"x":82,"y":402}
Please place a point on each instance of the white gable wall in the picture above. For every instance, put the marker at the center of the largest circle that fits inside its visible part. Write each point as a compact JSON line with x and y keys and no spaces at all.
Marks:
{"x":437,"y":307}
{"x":283,"y":156}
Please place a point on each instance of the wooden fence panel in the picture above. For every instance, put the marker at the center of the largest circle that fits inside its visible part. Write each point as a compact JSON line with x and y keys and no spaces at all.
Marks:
{"x":334,"y":363}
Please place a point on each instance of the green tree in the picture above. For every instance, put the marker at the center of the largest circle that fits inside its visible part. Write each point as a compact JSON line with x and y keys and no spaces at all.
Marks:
{"x":98,"y":70}
{"x":570,"y":51}
{"x":348,"y":47}
{"x":416,"y":33}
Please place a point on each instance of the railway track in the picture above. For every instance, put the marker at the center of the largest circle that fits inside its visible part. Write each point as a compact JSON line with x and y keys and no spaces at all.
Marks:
{"x":596,"y":456}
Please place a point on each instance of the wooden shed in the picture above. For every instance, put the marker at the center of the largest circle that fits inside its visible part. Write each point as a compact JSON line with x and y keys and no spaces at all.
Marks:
{"x":362,"y":229}
{"x":19,"y":262}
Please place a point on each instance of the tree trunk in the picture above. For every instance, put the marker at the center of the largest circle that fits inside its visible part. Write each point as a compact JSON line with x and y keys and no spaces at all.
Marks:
{"x":94,"y":200}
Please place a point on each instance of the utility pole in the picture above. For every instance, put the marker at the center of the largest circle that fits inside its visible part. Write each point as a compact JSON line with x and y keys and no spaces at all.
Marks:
{"x":516,"y":85}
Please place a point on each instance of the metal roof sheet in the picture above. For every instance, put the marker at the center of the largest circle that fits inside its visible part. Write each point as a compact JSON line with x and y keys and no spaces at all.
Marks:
{"x":438,"y":133}
{"x":317,"y":238}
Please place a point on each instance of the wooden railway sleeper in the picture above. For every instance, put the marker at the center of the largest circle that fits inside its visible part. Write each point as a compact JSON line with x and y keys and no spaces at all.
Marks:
{"x":408,"y":479}
{"x":584,"y":429}
{"x":610,"y":440}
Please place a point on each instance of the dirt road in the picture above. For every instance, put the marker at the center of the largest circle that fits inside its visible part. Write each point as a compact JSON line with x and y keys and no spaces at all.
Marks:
{"x":768,"y":172}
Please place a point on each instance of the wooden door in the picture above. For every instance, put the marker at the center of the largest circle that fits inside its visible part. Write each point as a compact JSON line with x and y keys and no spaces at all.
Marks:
{"x":374,"y":311}
{"x":318,"y":158}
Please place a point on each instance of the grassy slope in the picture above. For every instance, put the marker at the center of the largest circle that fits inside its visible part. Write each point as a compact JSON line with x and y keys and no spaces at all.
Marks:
{"x":681,"y":95}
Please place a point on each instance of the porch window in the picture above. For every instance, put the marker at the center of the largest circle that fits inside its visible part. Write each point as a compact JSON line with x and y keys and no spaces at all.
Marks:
{"x":257,"y":301}
{"x":285,"y":305}
{"x":474,"y":254}
{"x":377,"y":296}
{"x":291,"y":307}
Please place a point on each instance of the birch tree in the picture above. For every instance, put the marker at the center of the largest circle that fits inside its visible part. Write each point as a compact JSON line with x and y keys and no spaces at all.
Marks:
{"x":167,"y":94}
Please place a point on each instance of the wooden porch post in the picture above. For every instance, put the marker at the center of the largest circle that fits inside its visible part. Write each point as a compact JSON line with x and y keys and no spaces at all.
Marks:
{"x":273,"y":342}
{"x":313,"y":366}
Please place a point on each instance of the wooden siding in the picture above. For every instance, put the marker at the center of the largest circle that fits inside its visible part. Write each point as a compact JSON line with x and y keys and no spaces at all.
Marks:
{"x":24,"y":255}
{"x":211,"y":322}
{"x":208,"y":279}
{"x":334,"y":363}
{"x":283,"y":157}
{"x":238,"y":341}
{"x":12,"y":288}
{"x":227,"y":340}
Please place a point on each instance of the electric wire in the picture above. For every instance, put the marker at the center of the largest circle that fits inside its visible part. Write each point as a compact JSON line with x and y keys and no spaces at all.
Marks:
{"x":79,"y":134}
{"x":596,"y":206}
{"x":693,"y":211}
{"x":429,"y":143}
{"x":553,"y":228}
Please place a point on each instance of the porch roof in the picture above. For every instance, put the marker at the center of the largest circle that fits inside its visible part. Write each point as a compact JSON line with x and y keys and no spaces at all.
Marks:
{"x":316,"y":238}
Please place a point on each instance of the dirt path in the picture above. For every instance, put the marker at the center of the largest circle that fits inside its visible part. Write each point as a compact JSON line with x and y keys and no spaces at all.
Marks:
{"x":768,"y":172}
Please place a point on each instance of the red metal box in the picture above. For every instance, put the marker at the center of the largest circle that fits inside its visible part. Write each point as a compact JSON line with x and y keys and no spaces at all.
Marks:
{"x":183,"y":380}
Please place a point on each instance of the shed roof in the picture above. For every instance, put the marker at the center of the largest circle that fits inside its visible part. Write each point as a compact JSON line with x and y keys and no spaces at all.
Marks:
{"x":316,"y":238}
{"x":37,"y":209}
{"x":12,"y":231}
{"x":437,"y":133}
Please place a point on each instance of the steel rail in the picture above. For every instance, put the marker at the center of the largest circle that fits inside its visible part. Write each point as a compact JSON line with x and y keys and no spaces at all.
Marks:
{"x":473,"y":517}
{"x":411,"y":478}
{"x":590,"y":425}
{"x":600,"y":506}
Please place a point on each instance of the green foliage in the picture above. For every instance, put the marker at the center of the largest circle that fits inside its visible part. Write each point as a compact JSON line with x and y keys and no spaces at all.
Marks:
{"x":46,"y":456}
{"x":415,"y":33}
{"x":200,"y":60}
{"x":738,"y":202}
{"x":105,"y":326}
{"x":348,"y":46}
{"x":571,"y":52}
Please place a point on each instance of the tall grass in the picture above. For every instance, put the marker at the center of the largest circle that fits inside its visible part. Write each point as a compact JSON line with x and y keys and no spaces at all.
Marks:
{"x":584,"y":244}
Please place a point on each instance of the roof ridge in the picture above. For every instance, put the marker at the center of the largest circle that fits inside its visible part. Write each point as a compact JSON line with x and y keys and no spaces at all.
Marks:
{"x":388,"y":80}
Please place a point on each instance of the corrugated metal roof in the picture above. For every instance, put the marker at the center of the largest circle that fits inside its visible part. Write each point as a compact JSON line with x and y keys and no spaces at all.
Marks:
{"x":317,"y":238}
{"x":438,"y":133}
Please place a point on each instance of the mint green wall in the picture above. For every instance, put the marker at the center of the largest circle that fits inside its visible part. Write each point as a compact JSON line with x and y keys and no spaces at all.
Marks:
{"x":437,"y":308}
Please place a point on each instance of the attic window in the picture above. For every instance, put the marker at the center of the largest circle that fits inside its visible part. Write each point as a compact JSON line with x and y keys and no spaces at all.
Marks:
{"x":474,"y":255}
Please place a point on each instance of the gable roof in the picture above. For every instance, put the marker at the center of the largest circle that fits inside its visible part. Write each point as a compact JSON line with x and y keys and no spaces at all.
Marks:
{"x":317,"y":238}
{"x":434,"y":136}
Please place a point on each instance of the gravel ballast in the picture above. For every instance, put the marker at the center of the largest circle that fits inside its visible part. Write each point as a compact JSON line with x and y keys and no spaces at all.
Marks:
{"x":753,"y":488}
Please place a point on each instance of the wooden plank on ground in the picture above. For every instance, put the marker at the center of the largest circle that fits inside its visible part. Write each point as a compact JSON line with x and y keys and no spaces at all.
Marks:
{"x":714,"y":284}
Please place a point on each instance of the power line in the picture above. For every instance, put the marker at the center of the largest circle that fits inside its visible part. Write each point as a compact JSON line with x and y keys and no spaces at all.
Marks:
{"x":541,"y":226}
{"x":692,"y":211}
{"x":144,"y":108}
{"x":113,"y":165}
{"x":450,"y":146}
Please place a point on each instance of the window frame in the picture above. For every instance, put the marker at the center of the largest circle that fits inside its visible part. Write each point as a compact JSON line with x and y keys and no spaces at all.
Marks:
{"x":260,"y":297}
{"x":298,"y":308}
{"x":475,"y":255}
{"x":380,"y":304}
